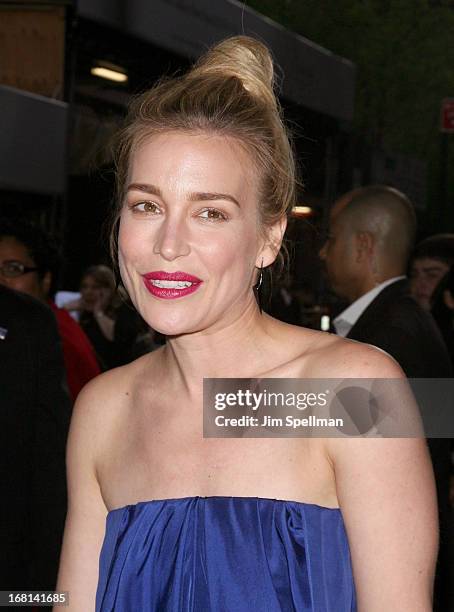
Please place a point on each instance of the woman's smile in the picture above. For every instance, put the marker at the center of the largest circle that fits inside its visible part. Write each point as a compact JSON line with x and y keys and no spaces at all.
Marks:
{"x":171,"y":285}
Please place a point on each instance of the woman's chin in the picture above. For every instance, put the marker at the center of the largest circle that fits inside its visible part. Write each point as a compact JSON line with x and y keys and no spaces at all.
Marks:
{"x":171,"y":327}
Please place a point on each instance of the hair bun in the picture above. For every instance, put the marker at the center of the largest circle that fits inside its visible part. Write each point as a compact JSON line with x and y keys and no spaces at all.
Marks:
{"x":242,"y":57}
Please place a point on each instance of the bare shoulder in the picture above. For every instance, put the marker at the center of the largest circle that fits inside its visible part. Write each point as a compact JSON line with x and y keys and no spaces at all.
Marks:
{"x":331,"y":356}
{"x":104,"y":402}
{"x":309,"y":353}
{"x":113,"y":388}
{"x":103,"y":395}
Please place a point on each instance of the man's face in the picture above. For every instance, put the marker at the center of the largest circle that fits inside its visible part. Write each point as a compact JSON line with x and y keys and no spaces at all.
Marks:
{"x":425,"y":274}
{"x":30,"y":282}
{"x":339,"y":256}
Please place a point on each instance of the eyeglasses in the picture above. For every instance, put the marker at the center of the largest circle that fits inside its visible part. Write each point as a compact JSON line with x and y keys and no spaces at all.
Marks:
{"x":13,"y":269}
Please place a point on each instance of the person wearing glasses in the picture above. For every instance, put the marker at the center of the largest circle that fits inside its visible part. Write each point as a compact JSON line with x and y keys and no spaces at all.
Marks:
{"x":29,"y":263}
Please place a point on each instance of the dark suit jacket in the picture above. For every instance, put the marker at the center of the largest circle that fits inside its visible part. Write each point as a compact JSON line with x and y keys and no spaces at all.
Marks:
{"x":396,"y":323}
{"x":34,"y":419}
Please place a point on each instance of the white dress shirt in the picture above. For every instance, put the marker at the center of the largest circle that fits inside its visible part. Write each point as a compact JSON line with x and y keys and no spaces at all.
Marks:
{"x":348,"y":317}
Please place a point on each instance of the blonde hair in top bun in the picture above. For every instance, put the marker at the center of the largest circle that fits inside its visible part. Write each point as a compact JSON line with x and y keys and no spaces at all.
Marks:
{"x":244,"y":58}
{"x":229,"y":91}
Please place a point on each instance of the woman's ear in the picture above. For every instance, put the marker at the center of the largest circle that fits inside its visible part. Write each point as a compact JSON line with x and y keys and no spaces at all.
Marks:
{"x":274,"y":237}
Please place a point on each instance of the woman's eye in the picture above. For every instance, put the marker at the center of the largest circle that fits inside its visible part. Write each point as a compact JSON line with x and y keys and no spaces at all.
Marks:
{"x":213,"y":214}
{"x":146,"y":207}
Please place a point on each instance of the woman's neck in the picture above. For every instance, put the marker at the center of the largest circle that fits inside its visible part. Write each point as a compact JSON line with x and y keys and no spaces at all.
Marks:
{"x":239,"y":349}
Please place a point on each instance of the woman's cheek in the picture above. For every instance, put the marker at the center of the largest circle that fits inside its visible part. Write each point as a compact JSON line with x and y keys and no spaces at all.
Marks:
{"x":131,"y":263}
{"x":227,"y":246}
{"x":134,"y":245}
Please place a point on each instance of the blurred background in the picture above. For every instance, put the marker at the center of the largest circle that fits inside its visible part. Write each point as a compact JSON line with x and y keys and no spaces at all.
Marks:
{"x":367,"y":88}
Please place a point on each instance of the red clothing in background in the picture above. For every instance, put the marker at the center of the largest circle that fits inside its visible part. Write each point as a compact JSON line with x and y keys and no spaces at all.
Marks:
{"x":80,"y":361}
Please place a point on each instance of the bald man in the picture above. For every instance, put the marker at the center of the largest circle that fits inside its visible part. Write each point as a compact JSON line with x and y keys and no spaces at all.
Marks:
{"x":371,"y":236}
{"x":370,"y":239}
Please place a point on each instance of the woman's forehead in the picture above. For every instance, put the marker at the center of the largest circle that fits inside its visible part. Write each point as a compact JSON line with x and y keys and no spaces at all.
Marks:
{"x":193,"y":160}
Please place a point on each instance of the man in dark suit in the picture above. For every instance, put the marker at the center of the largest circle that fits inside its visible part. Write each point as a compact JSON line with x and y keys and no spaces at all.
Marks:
{"x":34,"y":419}
{"x":366,"y":255}
{"x":371,"y":236}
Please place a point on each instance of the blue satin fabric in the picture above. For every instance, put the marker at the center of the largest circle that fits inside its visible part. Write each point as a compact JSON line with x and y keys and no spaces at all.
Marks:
{"x":225,"y":554}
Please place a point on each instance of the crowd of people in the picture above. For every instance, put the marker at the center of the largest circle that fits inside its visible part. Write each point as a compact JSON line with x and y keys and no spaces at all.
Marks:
{"x":206,"y":182}
{"x":99,"y":330}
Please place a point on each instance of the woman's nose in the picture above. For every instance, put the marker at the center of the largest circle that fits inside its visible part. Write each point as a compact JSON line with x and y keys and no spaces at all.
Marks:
{"x":172,"y":239}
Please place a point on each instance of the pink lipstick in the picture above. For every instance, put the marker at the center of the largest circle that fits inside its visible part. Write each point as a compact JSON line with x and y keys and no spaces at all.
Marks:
{"x":171,"y":285}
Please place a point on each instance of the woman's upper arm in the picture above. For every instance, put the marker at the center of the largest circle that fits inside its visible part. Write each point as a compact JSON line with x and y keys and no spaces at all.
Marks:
{"x":386,"y":491}
{"x":85,"y":522}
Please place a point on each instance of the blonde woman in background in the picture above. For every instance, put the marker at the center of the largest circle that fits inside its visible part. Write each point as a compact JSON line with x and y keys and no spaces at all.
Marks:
{"x":114,"y":328}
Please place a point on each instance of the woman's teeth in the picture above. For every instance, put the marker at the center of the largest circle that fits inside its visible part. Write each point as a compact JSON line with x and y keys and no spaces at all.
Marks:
{"x":166,"y":284}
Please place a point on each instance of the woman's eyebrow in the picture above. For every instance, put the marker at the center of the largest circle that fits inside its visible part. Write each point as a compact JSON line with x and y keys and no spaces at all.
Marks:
{"x":207,"y":196}
{"x":145,"y":187}
{"x":202,"y":196}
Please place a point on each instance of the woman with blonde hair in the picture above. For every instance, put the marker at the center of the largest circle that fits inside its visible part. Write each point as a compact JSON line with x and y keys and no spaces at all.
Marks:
{"x":115,"y":329}
{"x":161,"y":518}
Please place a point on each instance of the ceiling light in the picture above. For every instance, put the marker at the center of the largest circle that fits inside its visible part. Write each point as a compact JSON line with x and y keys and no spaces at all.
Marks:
{"x":109,"y":71}
{"x":301,"y":211}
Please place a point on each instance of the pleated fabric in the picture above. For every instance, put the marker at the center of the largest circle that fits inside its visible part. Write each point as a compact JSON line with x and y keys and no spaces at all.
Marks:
{"x":225,"y":554}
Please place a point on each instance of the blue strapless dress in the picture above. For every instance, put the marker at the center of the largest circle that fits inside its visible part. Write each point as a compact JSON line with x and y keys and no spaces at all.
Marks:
{"x":225,"y":554}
